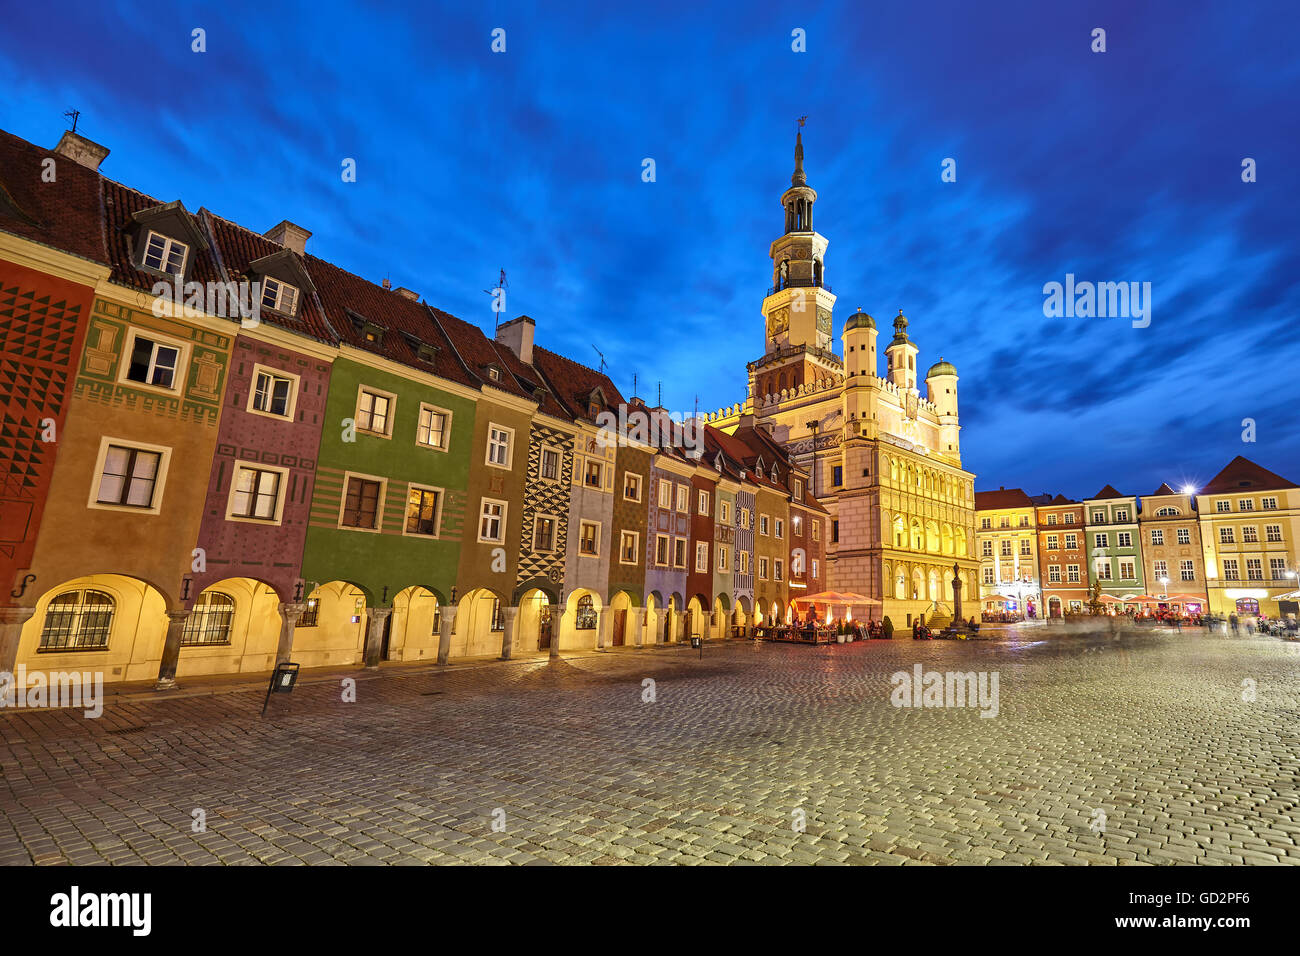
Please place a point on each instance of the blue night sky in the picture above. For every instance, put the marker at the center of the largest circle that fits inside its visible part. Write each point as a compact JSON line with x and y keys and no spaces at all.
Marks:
{"x":1122,"y":166}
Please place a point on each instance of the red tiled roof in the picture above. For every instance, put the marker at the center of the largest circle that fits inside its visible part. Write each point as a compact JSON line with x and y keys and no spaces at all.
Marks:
{"x":1164,"y":489}
{"x":1242,"y":474}
{"x":64,"y":214}
{"x":404,"y":322}
{"x":1002,"y":498}
{"x":236,"y":247}
{"x":121,"y":203}
{"x":574,"y":382}
{"x":477,"y":351}
{"x":532,"y":380}
{"x":1107,"y":492}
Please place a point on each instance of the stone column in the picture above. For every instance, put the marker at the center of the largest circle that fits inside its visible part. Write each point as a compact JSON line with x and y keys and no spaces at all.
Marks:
{"x":445,"y":625}
{"x":12,"y":620}
{"x":508,"y":633}
{"x":289,"y":615}
{"x":602,"y":618}
{"x":171,"y":650}
{"x":375,"y":635}
{"x":956,"y":596}
{"x":557,"y":625}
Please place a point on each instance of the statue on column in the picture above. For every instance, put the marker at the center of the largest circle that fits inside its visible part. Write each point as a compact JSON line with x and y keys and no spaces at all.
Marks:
{"x":956,"y":594}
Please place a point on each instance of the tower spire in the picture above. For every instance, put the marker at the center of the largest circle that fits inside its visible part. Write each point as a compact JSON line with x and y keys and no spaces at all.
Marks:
{"x":799,"y":178}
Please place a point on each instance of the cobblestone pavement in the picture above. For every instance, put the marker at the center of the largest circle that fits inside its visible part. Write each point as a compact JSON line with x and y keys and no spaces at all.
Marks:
{"x":1151,"y":729}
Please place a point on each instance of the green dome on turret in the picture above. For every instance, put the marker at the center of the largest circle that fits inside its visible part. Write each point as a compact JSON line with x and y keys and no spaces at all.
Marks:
{"x":859,"y":320}
{"x":941,"y":368}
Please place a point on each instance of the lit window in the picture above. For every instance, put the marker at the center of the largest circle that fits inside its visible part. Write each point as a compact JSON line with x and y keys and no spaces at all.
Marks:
{"x":129,"y":477}
{"x":550,"y":464}
{"x":589,"y":539}
{"x":432,"y":428}
{"x":422,"y":512}
{"x":210,"y":619}
{"x":631,"y":486}
{"x":627,"y":548}
{"x":76,"y":621}
{"x":255,"y":494}
{"x":543,"y":534}
{"x":492,"y":521}
{"x":586,"y":616}
{"x":374,"y":412}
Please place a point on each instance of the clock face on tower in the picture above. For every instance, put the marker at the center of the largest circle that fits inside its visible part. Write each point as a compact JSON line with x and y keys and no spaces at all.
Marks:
{"x":777,"y":322}
{"x":824,"y":321}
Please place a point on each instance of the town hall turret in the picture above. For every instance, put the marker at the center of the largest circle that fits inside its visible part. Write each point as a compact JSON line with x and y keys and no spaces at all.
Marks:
{"x":883,"y":454}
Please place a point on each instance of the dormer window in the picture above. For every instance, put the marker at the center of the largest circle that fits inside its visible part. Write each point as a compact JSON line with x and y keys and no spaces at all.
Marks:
{"x":494,"y":373}
{"x":427,"y":352}
{"x":279,"y":296}
{"x":165,"y":254}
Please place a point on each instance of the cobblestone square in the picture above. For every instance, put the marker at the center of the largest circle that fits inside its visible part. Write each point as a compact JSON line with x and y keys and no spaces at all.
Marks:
{"x":573,"y":764}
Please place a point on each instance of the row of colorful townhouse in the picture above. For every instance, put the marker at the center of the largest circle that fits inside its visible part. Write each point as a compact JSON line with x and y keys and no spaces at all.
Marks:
{"x":1232,"y":546}
{"x":333,"y":471}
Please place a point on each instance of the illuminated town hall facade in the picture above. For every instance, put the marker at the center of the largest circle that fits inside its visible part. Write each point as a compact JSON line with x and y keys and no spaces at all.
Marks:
{"x":883,"y":452}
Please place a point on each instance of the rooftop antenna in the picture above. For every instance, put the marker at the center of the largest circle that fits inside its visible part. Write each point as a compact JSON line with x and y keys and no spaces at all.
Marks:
{"x":602,"y":359}
{"x":659,"y":402}
{"x":498,"y":300}
{"x":634,"y":384}
{"x":75,"y":115}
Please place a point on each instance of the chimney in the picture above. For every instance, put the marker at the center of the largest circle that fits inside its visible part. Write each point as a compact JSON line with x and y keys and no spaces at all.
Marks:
{"x":290,"y":236}
{"x":407,"y":293}
{"x":81,"y":150}
{"x":387,"y":284}
{"x":517,"y":336}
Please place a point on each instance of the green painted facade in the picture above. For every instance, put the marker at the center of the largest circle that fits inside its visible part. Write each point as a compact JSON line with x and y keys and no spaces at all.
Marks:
{"x":1119,"y":546}
{"x":388,"y":558}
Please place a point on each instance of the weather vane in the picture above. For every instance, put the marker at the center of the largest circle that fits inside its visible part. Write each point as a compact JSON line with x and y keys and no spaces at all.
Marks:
{"x":803,"y":119}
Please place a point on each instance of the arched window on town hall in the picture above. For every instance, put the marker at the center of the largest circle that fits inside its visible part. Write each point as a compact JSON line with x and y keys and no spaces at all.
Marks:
{"x":210,"y":620}
{"x":77,"y":620}
{"x":586,"y":614}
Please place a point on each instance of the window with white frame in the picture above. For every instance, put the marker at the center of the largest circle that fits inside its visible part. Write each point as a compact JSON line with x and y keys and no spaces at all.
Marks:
{"x":1160,"y":569}
{"x":1245,"y":504}
{"x":986,"y":549}
{"x":1051,"y":519}
{"x":683,"y":499}
{"x":629,"y":543}
{"x":1121,"y":515}
{"x":153,"y":361}
{"x":762,"y":569}
{"x":702,"y":505}
{"x":1069,"y":518}
{"x":1187,"y":571}
{"x":1124,"y":539}
{"x":986,"y":524}
{"x":130,"y":476}
{"x":1227,"y":536}
{"x":721,"y":558}
{"x":1268,"y":504}
{"x":701,"y":556}
{"x":1223,"y":506}
{"x":256,"y":493}
{"x":1099,"y":517}
{"x":779,"y":526}
{"x":500,"y":440}
{"x":1103,"y":569}
{"x":165,"y":254}
{"x":1071,"y":541}
{"x":492,"y":521}
{"x":1254,"y":569}
{"x":631,"y":486}
{"x":1005,"y":548}
{"x":1157,"y":536}
{"x":1053,"y":541}
{"x":431,"y":431}
{"x":1102,"y":540}
{"x":1273,"y":532}
{"x":814,"y":568}
{"x":593,"y":475}
{"x":273,"y":392}
{"x":744,"y":561}
{"x":550,"y":463}
{"x":988,"y":576}
{"x":724,"y":512}
{"x":1072,"y":573}
{"x":1127,"y":571}
{"x":1230,"y":569}
{"x":1024,"y":547}
{"x":796,"y":525}
{"x":816,"y":530}
{"x":778,"y":569}
{"x":1184,"y":536}
{"x":762,"y":524}
{"x":679,"y":553}
{"x":279,"y":295}
{"x":661,"y":550}
{"x":1250,"y":534}
{"x":1054,"y":574}
{"x":589,"y":539}
{"x":665,"y":494}
{"x":1277,"y":568}
{"x":375,"y":411}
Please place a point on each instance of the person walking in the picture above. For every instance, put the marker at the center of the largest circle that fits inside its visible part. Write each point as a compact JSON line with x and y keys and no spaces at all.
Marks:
{"x":1234,"y":623}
